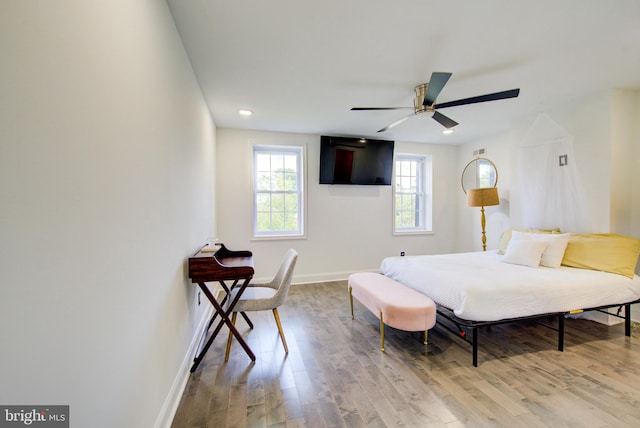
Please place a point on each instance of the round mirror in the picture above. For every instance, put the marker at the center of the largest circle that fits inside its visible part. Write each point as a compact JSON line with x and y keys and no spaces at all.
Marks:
{"x":479,"y":173}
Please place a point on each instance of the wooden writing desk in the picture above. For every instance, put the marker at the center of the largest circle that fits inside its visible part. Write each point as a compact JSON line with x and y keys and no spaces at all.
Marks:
{"x":222,"y":265}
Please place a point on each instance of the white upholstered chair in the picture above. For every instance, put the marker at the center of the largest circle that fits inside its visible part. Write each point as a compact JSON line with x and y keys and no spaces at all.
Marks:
{"x":267,"y":296}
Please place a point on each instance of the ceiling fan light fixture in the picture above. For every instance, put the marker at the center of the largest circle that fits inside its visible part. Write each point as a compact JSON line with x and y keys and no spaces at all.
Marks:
{"x":447,"y":131}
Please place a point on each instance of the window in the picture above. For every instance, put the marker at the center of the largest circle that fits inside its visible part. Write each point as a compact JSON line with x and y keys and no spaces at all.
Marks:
{"x":277,"y":191}
{"x":412,"y":193}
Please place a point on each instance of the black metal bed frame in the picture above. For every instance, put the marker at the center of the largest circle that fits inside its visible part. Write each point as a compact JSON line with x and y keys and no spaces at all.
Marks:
{"x":475,"y":325}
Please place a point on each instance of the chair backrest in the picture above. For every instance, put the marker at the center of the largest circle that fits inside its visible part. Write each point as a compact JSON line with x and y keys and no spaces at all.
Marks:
{"x":282,"y":280}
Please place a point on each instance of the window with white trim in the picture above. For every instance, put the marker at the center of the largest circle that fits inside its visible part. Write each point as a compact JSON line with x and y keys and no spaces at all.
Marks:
{"x":412,"y":193}
{"x":278,"y":196}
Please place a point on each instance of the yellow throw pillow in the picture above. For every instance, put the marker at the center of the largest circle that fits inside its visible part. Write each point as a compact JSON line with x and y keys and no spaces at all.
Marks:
{"x":506,"y":236}
{"x":605,"y":252}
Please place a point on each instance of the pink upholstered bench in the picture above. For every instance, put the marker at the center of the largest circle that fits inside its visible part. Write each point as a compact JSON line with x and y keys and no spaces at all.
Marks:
{"x":395,"y":304}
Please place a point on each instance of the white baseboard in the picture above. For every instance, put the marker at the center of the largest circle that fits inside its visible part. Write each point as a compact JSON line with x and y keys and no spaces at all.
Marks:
{"x":170,"y":406}
{"x":323,"y":277}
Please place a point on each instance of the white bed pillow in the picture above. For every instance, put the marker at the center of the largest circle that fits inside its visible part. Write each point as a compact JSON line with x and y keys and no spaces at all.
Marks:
{"x":526,"y":252}
{"x":556,"y":245}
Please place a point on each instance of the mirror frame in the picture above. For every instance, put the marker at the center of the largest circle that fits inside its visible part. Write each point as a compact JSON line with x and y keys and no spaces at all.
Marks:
{"x":474,"y":162}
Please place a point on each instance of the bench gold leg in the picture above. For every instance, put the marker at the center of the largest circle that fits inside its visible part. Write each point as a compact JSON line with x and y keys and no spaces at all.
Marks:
{"x":381,"y":332}
{"x":426,"y":337}
{"x":351,"y":300}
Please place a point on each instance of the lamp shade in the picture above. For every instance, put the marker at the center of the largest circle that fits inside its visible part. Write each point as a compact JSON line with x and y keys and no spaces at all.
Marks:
{"x":484,"y":197}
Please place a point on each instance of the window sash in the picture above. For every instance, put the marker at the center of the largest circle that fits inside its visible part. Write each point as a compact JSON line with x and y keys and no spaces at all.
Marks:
{"x":277,"y":191}
{"x":410,"y":198}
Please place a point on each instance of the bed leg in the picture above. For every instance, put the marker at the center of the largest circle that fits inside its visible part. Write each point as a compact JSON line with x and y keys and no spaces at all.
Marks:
{"x":381,"y":332}
{"x":351,"y":300}
{"x":627,"y":319}
{"x":561,"y":332}
{"x":475,"y":346}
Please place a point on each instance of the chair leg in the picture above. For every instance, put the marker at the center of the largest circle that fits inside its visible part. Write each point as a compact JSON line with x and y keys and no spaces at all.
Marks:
{"x":233,"y":321}
{"x":284,"y":342}
{"x":426,"y":337}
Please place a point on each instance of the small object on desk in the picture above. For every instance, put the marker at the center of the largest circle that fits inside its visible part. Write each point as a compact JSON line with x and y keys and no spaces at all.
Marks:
{"x":209,"y":248}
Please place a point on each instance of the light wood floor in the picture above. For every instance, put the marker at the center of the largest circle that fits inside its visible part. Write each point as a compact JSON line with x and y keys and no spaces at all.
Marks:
{"x":336,"y":376}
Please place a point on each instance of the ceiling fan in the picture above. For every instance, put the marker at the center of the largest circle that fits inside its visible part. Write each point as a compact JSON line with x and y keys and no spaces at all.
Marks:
{"x":425,"y":101}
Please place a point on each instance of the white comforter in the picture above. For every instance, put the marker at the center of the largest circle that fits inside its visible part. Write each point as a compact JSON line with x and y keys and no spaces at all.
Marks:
{"x":481,"y":287}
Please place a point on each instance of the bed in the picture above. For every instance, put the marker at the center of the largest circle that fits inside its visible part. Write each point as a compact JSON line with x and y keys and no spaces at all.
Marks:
{"x":478,"y":289}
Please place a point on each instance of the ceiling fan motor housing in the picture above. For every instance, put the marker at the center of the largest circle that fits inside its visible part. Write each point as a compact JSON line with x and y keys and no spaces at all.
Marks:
{"x":418,"y":105}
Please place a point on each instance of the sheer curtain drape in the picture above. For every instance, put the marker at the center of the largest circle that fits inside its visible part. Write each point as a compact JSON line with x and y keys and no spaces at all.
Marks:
{"x":551,"y":191}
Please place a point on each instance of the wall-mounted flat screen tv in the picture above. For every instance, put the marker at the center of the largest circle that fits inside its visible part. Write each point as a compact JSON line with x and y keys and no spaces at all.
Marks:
{"x":350,"y":160}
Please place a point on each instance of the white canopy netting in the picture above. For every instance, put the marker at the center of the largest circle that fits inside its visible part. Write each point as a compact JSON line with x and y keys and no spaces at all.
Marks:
{"x":551,"y":191}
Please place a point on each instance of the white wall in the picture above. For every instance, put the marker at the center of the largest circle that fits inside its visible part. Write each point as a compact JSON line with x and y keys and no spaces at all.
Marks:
{"x":635,"y":178}
{"x":349,"y":228}
{"x":625,"y":177}
{"x":625,"y":167}
{"x":106,"y":186}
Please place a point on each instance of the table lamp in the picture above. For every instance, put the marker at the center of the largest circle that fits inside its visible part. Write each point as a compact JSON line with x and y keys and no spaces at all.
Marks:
{"x":484,"y":197}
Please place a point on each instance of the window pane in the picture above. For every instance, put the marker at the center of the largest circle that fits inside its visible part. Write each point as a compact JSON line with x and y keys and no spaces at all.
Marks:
{"x":263,"y":202}
{"x":291,"y":220}
{"x":276,"y":182}
{"x":291,"y":202}
{"x":263,"y":221}
{"x":405,"y":168}
{"x":278,"y":190}
{"x":410,"y":182}
{"x":263,"y":181}
{"x":263,"y":162}
{"x":291,"y":163}
{"x":277,"y":202}
{"x":290,"y":181}
{"x":277,"y":221}
{"x":277,"y":162}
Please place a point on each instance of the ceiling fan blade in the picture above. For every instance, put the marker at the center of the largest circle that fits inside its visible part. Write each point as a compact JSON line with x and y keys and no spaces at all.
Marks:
{"x":380,"y":108}
{"x":444,"y":120}
{"x":437,"y":82}
{"x":396,"y":123}
{"x":512,"y":93}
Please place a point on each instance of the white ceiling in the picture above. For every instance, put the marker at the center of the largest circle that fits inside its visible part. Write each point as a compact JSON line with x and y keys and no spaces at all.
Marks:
{"x":300,"y":65}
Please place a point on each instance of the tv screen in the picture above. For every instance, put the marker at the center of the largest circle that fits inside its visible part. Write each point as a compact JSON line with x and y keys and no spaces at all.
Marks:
{"x":349,"y":160}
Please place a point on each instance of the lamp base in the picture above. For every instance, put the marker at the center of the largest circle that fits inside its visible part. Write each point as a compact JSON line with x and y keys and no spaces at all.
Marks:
{"x":484,"y":235}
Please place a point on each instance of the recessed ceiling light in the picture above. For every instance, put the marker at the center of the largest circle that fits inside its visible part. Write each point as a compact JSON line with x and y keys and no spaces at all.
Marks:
{"x":447,"y":131}
{"x":244,"y":112}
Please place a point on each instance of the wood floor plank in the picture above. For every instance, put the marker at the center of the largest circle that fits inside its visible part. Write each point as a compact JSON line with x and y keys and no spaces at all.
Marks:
{"x":335,"y":374}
